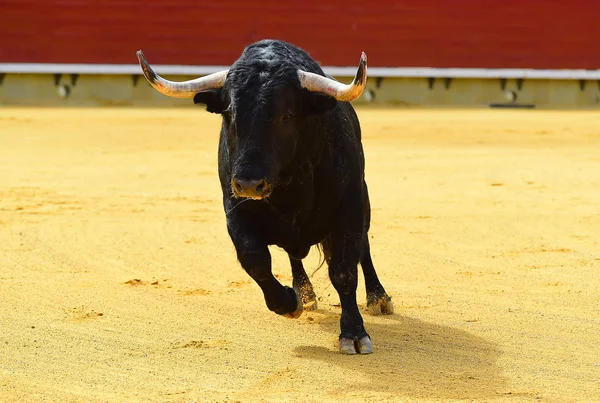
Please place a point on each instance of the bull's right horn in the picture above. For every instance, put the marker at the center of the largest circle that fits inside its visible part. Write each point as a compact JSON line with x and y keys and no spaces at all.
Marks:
{"x":183,"y":89}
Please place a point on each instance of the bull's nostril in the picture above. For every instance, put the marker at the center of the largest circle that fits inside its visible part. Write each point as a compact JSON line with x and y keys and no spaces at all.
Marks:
{"x":237,"y":186}
{"x":252,"y":188}
{"x":260,"y":187}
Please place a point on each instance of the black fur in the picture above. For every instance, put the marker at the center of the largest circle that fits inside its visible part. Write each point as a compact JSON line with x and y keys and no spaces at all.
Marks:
{"x":308,"y":148}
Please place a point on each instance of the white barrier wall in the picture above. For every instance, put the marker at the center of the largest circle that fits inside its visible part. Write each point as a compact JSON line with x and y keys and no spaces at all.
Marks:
{"x":132,"y":89}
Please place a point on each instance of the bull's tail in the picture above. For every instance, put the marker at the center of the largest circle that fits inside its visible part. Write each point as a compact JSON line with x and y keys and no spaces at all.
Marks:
{"x":324,"y":249}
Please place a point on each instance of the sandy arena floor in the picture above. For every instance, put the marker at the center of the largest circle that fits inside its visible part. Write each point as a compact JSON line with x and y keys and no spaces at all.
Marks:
{"x":118,"y":281}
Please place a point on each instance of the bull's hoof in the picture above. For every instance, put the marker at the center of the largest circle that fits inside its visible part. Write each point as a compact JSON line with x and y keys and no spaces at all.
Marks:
{"x":354,"y":346}
{"x":299,"y":308}
{"x":381,"y":306}
{"x":364,"y":345}
{"x":347,"y":346}
{"x":309,"y":303}
{"x":309,"y":298}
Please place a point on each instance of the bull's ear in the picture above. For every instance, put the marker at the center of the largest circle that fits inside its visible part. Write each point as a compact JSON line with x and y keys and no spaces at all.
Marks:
{"x":212,"y":99}
{"x":318,"y":103}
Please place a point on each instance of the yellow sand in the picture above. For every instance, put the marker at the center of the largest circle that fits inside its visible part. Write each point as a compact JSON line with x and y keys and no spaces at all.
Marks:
{"x":118,"y":281}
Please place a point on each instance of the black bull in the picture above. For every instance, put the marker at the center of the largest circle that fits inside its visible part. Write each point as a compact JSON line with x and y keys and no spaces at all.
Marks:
{"x":291,"y":168}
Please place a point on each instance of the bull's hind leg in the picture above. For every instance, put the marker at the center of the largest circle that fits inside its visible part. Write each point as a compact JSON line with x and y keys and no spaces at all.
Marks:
{"x":302,"y":284}
{"x":378,"y":301}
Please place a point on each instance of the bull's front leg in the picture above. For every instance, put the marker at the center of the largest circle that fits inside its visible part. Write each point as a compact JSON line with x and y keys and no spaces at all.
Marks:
{"x":346,"y":242}
{"x":343,"y":272}
{"x":302,"y":284}
{"x":255,"y":258}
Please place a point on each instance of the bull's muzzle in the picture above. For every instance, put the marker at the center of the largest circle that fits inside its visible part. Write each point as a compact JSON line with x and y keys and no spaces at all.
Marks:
{"x":251,"y":188}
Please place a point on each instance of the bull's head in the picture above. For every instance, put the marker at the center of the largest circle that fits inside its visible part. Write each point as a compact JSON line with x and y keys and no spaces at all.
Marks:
{"x":264,"y":107}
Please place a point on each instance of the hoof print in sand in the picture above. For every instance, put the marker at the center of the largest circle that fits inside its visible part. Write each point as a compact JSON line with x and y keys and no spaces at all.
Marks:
{"x":196,"y":291}
{"x":205,"y":344}
{"x":136,"y":282}
{"x":80,"y":314}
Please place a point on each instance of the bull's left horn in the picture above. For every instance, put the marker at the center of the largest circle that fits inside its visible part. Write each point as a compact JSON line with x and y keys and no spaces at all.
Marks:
{"x":183,"y":89}
{"x":342,"y":92}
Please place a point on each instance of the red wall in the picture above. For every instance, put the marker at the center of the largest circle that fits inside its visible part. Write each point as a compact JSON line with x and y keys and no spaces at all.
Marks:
{"x":426,"y":33}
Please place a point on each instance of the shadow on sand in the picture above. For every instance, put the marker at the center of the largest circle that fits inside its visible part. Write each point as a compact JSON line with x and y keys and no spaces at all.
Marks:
{"x":416,"y":359}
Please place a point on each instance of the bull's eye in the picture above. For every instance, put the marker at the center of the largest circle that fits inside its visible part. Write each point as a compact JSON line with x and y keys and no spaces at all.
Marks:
{"x":228,"y":115}
{"x":287,"y":116}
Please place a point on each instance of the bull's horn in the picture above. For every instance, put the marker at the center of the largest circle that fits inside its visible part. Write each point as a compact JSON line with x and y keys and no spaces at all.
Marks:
{"x":184,"y":89}
{"x":342,"y":92}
